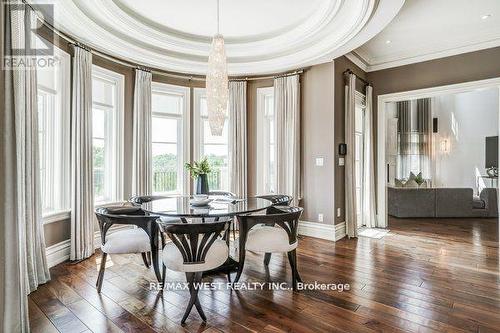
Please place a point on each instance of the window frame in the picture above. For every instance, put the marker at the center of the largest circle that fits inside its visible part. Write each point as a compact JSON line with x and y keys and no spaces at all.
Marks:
{"x":263,"y":140}
{"x":118,"y":80}
{"x":198,"y":94}
{"x":62,"y":106}
{"x":185,"y":117}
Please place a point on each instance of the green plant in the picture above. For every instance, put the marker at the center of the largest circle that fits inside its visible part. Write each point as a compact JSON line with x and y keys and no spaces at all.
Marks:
{"x":419,"y":179}
{"x":199,"y":168}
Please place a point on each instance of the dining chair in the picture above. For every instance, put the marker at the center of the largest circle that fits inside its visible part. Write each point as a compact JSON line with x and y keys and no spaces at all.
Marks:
{"x":143,"y":239}
{"x":140,"y":199}
{"x":276,"y":200}
{"x":274,"y":232}
{"x":226,"y":194}
{"x":195,"y":248}
{"x":222,"y":194}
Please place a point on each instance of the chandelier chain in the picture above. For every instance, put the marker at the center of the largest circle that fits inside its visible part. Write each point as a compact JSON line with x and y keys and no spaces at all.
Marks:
{"x":218,"y":14}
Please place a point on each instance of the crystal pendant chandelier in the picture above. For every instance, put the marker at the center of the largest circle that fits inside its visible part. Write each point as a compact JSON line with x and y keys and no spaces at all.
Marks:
{"x":217,"y":83}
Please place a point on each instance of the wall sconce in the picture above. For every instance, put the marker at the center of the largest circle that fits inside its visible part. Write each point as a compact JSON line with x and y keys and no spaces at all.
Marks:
{"x":445,"y":146}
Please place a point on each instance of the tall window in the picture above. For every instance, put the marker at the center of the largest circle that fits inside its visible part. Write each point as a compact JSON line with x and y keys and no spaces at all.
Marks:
{"x":214,"y":148}
{"x":266,"y":141}
{"x":358,"y":153}
{"x":107,"y":124}
{"x":170,"y":136}
{"x":53,"y":134}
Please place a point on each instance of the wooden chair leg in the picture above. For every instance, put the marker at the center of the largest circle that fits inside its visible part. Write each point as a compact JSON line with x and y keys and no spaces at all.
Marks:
{"x":241,"y":263}
{"x":163,"y":275}
{"x":294,"y":271}
{"x":267,"y":258}
{"x":297,"y":275}
{"x":197,"y":279}
{"x":292,"y":258}
{"x":241,"y":249}
{"x":145,"y":259}
{"x":193,"y":300}
{"x":100,"y":277}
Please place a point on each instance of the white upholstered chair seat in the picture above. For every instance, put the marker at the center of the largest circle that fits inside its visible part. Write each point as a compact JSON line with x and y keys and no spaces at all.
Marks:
{"x":268,"y":239}
{"x":216,"y":256}
{"x":127,"y":241}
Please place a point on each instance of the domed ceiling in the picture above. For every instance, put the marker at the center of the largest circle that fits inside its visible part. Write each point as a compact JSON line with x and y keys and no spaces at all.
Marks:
{"x":262,"y":36}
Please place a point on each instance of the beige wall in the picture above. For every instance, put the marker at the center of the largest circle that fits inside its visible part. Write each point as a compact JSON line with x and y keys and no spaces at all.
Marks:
{"x":318,"y":141}
{"x":465,"y":67}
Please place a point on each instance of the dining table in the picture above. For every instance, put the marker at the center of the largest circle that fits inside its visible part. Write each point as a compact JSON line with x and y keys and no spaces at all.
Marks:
{"x":177,"y":209}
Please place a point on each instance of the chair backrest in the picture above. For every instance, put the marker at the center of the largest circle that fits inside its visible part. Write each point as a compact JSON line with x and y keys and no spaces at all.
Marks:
{"x":140,"y":199}
{"x":283,"y":216}
{"x":222,"y":193}
{"x":195,"y":239}
{"x":124,"y":215}
{"x":277,"y":199}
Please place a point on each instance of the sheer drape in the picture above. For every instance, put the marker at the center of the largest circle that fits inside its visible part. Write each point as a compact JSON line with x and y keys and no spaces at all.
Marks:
{"x":238,"y":137}
{"x":424,"y":129}
{"x":368,"y":190}
{"x":414,"y":138}
{"x":403,"y":112}
{"x":82,"y":191}
{"x":142,"y":147}
{"x":22,"y":243}
{"x":287,"y":108}
{"x":350,"y":172}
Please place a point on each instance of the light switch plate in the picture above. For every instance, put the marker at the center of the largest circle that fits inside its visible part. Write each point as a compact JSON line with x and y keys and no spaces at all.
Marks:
{"x":320,"y":161}
{"x":341,"y":161}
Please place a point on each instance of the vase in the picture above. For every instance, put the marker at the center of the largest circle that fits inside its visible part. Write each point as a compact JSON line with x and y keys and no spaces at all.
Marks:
{"x":202,"y":184}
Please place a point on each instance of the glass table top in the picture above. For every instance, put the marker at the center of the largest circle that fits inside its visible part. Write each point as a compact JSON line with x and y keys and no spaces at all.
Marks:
{"x":219,"y":206}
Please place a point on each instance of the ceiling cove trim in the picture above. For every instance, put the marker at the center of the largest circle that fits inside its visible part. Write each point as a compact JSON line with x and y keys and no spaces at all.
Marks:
{"x":377,"y":64}
{"x":357,"y":60}
{"x":334,"y":29}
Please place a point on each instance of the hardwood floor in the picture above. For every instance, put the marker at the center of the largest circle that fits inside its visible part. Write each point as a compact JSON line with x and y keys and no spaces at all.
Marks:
{"x":424,"y":276}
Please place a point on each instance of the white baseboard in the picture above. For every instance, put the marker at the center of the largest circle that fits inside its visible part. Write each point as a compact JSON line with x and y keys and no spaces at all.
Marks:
{"x":340,"y":231}
{"x":60,"y":252}
{"x":317,"y":230}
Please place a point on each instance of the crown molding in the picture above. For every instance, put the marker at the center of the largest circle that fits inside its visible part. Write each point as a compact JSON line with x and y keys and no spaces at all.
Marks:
{"x":357,"y":60}
{"x":373,"y":64}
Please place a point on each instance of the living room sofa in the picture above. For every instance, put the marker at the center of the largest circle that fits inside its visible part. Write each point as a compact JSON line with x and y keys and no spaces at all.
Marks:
{"x":441,"y":202}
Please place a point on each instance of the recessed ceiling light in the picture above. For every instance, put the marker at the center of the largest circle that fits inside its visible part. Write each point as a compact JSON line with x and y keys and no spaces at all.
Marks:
{"x":388,"y":41}
{"x":485,"y":17}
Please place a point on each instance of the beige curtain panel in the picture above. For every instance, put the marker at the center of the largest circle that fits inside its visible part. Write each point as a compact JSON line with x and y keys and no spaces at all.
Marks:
{"x":22,"y":245}
{"x":142,"y":182}
{"x":368,"y":210}
{"x":350,"y":174}
{"x":238,"y":137}
{"x":287,"y":108}
{"x":82,"y":190}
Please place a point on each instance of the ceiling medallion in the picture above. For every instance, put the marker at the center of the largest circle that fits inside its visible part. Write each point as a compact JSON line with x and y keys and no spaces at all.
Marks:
{"x":217,"y":83}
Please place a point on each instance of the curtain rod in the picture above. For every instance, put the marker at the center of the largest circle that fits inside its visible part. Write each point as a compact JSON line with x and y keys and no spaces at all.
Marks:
{"x":348,"y":71}
{"x":127,"y":63}
{"x":253,"y":78}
